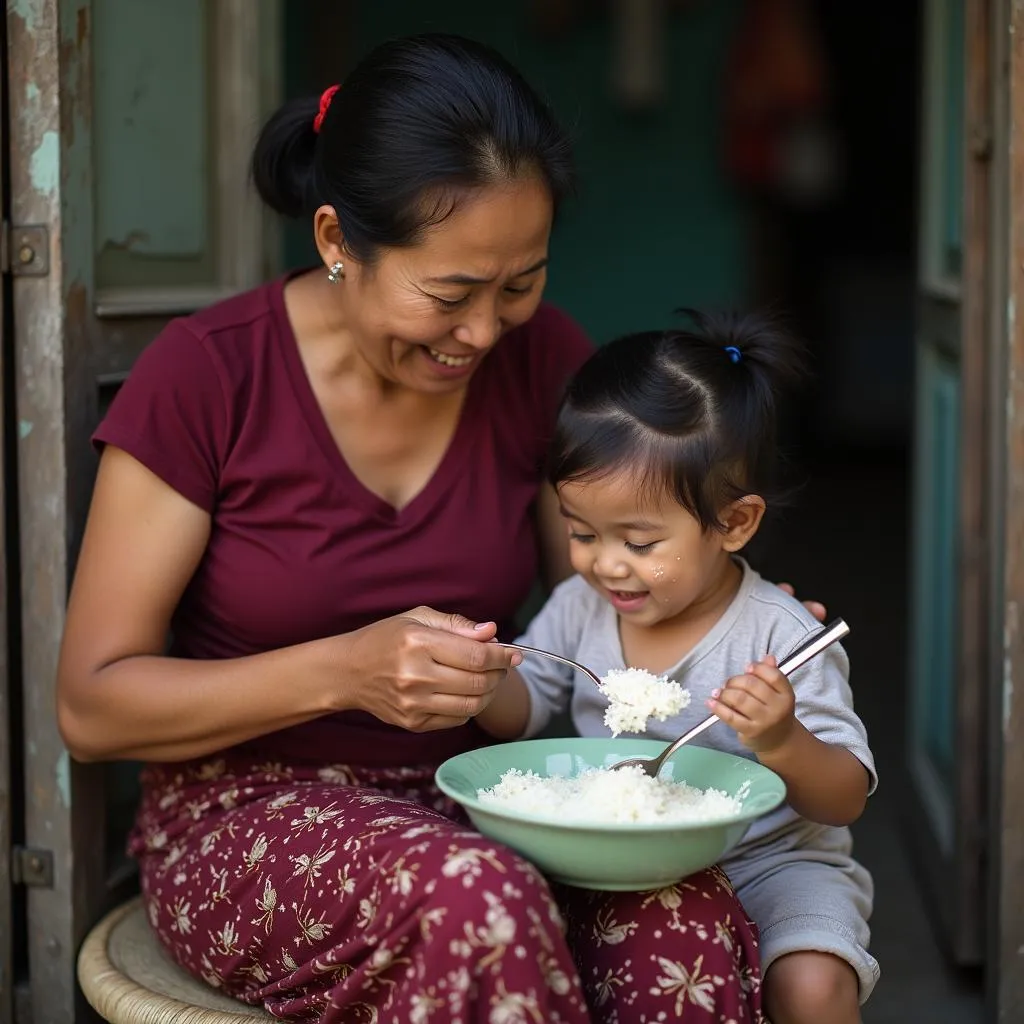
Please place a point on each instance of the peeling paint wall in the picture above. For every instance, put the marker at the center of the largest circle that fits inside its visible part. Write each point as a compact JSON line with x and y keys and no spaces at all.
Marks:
{"x":51,"y":185}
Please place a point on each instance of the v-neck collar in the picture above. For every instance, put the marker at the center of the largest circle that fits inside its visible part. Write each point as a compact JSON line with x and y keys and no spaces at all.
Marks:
{"x":452,"y":462}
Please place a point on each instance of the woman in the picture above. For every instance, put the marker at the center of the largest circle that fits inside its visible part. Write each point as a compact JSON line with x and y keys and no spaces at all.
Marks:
{"x":283,"y":477}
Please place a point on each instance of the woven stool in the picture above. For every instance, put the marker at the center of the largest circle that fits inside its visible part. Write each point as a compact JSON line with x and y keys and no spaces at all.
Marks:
{"x":129,"y":979}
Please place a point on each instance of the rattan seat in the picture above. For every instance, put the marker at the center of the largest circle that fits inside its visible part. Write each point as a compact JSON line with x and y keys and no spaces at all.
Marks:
{"x":129,"y":979}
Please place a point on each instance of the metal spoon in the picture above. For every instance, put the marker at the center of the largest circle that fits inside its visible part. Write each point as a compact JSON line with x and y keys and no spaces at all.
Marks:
{"x":554,"y":657}
{"x":836,"y":630}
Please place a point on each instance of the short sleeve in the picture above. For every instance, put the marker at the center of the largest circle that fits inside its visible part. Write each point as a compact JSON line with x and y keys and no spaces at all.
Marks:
{"x":562,"y":349}
{"x":170,"y":415}
{"x":824,"y":704}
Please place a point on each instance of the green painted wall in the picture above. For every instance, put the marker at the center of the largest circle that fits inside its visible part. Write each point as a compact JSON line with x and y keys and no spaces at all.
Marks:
{"x":654,"y":226}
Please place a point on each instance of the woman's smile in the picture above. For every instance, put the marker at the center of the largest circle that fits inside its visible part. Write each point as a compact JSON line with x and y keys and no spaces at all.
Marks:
{"x":445,"y":359}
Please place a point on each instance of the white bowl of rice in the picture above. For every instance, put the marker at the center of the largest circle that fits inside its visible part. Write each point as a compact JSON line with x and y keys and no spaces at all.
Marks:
{"x":558,"y":803}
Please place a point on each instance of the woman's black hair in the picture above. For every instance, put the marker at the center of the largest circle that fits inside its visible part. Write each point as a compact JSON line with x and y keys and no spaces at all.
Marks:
{"x":690,"y":412}
{"x":419,"y":122}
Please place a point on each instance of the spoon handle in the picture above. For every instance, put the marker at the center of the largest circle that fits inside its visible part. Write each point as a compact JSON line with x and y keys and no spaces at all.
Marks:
{"x":815,"y":644}
{"x":553,"y":657}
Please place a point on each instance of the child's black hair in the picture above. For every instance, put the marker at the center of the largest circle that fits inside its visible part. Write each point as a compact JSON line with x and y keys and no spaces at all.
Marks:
{"x":691,"y":412}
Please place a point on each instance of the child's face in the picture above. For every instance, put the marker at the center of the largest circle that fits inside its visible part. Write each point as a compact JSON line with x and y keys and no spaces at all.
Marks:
{"x":655,"y":562}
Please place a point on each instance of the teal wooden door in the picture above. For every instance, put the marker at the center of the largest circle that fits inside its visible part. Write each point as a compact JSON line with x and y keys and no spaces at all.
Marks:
{"x":129,"y":129}
{"x":947,"y":675}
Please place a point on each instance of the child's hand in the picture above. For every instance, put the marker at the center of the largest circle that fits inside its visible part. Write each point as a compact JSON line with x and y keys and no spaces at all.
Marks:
{"x":759,"y":705}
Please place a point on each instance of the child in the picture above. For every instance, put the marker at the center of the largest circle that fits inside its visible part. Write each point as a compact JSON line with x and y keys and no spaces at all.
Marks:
{"x":663,"y":459}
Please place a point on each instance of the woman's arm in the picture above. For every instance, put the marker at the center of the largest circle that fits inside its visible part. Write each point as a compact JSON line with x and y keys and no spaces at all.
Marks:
{"x":119,"y":697}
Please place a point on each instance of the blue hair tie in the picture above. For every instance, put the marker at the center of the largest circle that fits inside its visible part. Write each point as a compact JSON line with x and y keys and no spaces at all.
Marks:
{"x":733,"y":353}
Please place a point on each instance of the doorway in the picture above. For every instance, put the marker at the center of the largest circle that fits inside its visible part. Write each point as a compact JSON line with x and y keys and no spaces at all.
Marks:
{"x":659,"y":223}
{"x":677,"y":207}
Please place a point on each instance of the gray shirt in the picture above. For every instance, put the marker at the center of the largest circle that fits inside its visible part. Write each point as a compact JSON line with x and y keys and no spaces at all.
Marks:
{"x":578,"y":623}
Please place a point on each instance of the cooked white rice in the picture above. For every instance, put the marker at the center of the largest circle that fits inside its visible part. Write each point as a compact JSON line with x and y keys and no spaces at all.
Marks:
{"x":635,"y":696}
{"x":608,"y":796}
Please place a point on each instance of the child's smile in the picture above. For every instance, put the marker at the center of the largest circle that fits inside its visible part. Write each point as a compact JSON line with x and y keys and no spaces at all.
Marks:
{"x":626,"y":601}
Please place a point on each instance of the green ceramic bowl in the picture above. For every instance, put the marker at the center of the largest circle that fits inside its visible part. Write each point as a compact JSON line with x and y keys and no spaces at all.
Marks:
{"x":620,"y":856}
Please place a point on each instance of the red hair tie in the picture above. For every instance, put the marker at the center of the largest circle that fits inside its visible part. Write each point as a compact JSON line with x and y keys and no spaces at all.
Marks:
{"x":325,"y":102}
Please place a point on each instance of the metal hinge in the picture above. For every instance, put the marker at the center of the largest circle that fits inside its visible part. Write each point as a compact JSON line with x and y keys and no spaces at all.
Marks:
{"x":32,"y":867}
{"x":25,"y":250}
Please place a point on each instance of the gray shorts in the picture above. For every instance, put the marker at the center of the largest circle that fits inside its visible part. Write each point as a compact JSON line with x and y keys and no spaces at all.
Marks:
{"x":810,"y":900}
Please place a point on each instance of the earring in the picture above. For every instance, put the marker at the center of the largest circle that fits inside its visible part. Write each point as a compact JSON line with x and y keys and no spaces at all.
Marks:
{"x":336,"y":273}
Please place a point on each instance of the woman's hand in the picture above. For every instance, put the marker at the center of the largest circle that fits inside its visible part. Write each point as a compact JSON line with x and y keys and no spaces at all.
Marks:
{"x":424,"y":670}
{"x":816,"y":608}
{"x":759,"y":705}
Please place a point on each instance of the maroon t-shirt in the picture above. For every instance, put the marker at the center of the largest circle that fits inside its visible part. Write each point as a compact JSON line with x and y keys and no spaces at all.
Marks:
{"x":219,"y":406}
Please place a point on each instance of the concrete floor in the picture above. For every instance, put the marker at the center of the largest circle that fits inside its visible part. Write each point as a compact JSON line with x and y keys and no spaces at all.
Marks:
{"x":845,"y":543}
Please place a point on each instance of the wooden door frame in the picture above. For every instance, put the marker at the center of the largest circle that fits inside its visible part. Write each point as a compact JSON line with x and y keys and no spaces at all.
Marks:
{"x":49,"y":76}
{"x":953,"y":312}
{"x":974,"y":558}
{"x":1005,"y":298}
{"x":6,"y":677}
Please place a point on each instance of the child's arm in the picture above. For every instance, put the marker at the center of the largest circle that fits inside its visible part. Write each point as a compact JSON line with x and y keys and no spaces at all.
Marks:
{"x":508,"y":714}
{"x":825,"y":782}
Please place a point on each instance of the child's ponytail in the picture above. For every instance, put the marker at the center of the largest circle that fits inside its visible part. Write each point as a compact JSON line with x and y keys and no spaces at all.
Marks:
{"x":753,"y":342}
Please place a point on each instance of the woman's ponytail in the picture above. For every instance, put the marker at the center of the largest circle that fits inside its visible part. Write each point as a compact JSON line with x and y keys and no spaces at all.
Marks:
{"x":282,"y":160}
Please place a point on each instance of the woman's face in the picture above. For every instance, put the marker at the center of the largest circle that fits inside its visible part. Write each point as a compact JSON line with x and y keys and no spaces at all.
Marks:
{"x":424,"y":316}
